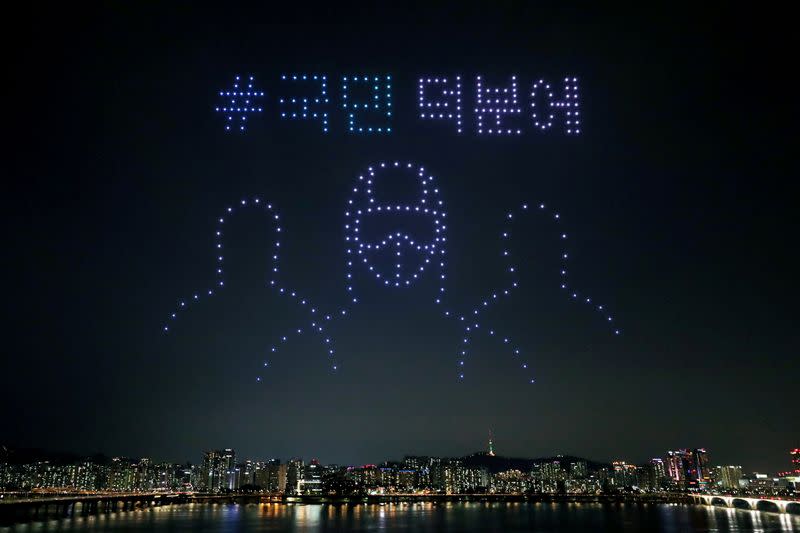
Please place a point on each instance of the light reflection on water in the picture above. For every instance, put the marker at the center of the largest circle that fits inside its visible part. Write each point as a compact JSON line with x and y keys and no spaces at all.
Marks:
{"x":427,"y":516}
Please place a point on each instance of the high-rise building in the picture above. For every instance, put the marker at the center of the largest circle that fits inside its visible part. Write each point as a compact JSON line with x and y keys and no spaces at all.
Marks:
{"x":792,"y":476}
{"x":701,"y":472}
{"x":689,"y":468}
{"x":624,"y":474}
{"x":294,"y":473}
{"x":578,"y":470}
{"x":794,"y":470}
{"x":312,"y":478}
{"x":422,"y":466}
{"x":511,"y":482}
{"x":184,"y":477}
{"x":267,"y":476}
{"x":219,"y":470}
{"x":121,"y":475}
{"x":407,"y":479}
{"x":659,"y":470}
{"x":728,"y":477}
{"x":652,"y":475}
{"x":676,"y":461}
{"x":553,"y":471}
{"x":246,"y":473}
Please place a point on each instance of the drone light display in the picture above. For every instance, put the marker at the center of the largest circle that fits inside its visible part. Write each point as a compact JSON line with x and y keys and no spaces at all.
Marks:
{"x":366,"y":104}
{"x":237,"y":102}
{"x":396,"y":257}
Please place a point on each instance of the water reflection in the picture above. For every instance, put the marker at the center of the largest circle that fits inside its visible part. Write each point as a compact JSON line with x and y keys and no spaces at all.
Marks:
{"x":427,"y":516}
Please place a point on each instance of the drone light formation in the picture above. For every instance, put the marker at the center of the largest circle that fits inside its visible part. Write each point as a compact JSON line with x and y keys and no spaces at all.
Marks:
{"x":238,"y":102}
{"x":400,"y":245}
{"x":470,"y":320}
{"x":273,"y":280}
{"x":367,"y":108}
{"x":544,"y":115}
{"x":396,"y":259}
{"x":306,"y":108}
{"x":448,"y":107}
{"x":378,"y":103}
{"x":499,"y":102}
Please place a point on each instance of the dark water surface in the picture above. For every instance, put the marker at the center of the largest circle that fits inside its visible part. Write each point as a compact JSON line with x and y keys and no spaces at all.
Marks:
{"x":444,"y":517}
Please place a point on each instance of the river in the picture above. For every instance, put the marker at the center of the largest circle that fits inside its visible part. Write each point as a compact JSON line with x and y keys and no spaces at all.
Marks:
{"x":434,"y":517}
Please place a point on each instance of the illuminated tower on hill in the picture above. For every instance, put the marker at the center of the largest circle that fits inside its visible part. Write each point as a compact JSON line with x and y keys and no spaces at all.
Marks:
{"x":490,"y":451}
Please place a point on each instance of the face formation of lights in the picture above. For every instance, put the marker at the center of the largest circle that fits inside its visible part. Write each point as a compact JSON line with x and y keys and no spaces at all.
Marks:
{"x":398,"y":256}
{"x":367,"y":108}
{"x":407,"y":254}
{"x":238,"y":103}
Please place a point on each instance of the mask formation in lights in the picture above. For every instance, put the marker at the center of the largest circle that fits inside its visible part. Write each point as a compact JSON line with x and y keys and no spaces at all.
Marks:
{"x":398,"y":257}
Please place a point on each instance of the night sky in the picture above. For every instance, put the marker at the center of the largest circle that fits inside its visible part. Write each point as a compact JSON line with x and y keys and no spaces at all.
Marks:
{"x":675,"y":197}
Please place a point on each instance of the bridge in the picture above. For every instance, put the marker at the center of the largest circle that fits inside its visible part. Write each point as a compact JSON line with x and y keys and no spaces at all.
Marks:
{"x":43,"y":507}
{"x":756,"y":503}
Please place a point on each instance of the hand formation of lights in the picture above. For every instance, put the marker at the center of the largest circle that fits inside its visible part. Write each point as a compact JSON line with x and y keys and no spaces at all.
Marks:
{"x":407,"y":254}
{"x":498,"y":110}
{"x":238,"y":102}
{"x":306,"y":110}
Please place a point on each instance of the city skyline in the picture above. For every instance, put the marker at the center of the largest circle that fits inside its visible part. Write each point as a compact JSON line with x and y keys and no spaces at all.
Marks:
{"x":676,"y":471}
{"x":670,"y":459}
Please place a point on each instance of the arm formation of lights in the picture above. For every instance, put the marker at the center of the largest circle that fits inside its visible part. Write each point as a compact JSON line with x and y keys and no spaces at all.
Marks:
{"x":366,"y":103}
{"x":398,"y":258}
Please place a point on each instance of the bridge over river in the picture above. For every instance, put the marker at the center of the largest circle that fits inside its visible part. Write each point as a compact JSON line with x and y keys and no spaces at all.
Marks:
{"x":754,"y":503}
